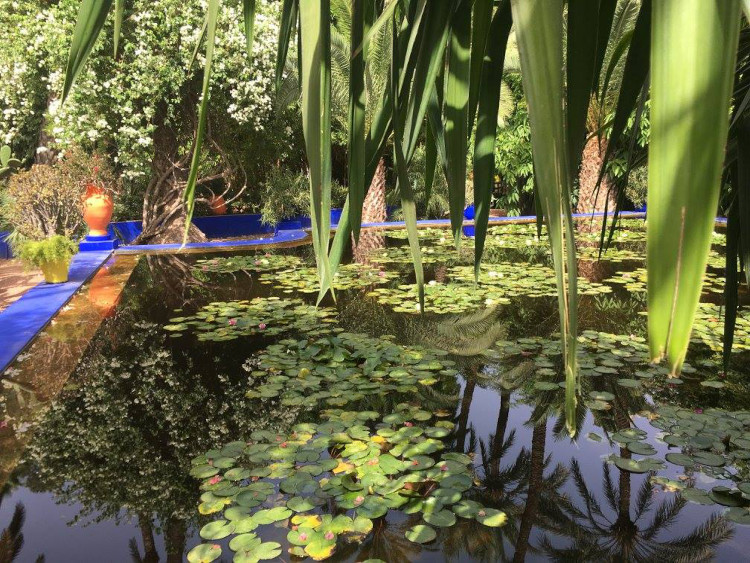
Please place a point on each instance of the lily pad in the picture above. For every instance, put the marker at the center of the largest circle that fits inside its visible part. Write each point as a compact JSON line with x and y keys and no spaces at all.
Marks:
{"x":420,"y":534}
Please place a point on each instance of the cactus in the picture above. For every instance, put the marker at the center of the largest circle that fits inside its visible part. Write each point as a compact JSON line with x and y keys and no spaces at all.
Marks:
{"x":7,"y":163}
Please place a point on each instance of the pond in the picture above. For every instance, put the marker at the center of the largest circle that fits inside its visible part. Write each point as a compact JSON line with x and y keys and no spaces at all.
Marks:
{"x":214,"y":413}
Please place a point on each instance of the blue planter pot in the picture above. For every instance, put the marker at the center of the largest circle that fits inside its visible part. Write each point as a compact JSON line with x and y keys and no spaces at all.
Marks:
{"x":5,"y":252}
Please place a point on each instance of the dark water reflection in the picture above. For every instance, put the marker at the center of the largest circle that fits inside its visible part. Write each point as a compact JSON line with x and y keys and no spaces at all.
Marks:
{"x":102,"y":471}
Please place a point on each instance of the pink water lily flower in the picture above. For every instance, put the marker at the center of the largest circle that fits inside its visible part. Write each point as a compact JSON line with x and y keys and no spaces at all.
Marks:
{"x":232,"y":322}
{"x":359,"y":500}
{"x":215,"y":479}
{"x":262,"y":326}
{"x":303,"y":536}
{"x":408,"y":424}
{"x":698,"y":411}
{"x":381,"y":274}
{"x":329,"y":536}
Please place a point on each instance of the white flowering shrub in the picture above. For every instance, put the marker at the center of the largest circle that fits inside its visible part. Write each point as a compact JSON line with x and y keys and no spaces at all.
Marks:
{"x":117,"y":105}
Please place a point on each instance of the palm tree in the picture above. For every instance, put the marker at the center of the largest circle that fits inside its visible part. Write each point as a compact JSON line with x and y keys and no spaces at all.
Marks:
{"x":11,"y":538}
{"x":625,"y":535}
{"x":594,"y":197}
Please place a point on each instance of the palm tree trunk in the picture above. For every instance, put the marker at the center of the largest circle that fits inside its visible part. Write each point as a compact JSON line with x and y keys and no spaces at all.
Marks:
{"x":373,"y":208}
{"x":150,"y":555}
{"x":536,"y":479}
{"x":500,"y":428}
{"x":175,"y":540}
{"x":589,"y":199}
{"x":463,"y":416}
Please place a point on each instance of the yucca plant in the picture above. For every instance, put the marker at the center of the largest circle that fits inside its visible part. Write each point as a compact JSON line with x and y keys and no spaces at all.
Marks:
{"x":446,"y":69}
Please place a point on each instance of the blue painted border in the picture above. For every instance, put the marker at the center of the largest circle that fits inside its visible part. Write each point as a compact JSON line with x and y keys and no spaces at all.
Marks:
{"x":279,"y":238}
{"x":29,"y":314}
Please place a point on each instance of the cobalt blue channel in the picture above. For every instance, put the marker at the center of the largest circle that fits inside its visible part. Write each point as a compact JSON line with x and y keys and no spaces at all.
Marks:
{"x":26,"y":317}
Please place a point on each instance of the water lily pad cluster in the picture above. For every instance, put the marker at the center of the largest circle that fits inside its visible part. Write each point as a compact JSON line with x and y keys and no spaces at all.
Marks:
{"x":348,"y":276}
{"x":327,"y":482}
{"x":528,"y":280}
{"x":498,"y":282}
{"x":715,"y":442}
{"x":615,"y":254}
{"x":621,"y":360}
{"x":708,"y":327}
{"x":227,"y":320}
{"x":335,"y":370}
{"x":635,"y":281}
{"x":431,"y":254}
{"x":250,"y":263}
{"x":439,"y":298}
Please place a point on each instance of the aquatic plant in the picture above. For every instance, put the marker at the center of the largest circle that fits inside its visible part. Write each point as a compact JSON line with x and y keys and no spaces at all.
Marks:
{"x":271,"y":316}
{"x":327,"y":482}
{"x":247,"y":263}
{"x":349,"y":276}
{"x":339,"y":369}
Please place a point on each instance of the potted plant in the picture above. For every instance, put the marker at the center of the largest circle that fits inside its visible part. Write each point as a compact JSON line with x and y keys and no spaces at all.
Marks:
{"x":97,"y":201}
{"x":52,"y":255}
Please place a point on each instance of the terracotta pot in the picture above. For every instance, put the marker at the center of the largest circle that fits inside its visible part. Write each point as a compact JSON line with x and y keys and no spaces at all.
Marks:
{"x":97,"y":210}
{"x":104,"y":293}
{"x":218,"y":205}
{"x":56,"y":272}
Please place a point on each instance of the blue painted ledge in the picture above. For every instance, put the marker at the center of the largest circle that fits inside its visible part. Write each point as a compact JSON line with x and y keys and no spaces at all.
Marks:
{"x":27,"y":316}
{"x":279,"y":238}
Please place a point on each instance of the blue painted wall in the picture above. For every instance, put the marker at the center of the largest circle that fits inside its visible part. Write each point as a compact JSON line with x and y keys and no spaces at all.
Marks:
{"x":223,"y":226}
{"x":5,"y":251}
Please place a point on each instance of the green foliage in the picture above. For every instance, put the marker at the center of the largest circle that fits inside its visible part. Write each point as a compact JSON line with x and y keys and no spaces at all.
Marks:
{"x":46,"y":199}
{"x":286,"y":193}
{"x":54,"y":249}
{"x":513,"y":161}
{"x":637,"y":186}
{"x":7,"y":163}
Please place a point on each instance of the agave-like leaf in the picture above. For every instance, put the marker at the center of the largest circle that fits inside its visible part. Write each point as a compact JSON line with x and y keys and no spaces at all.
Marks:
{"x":407,"y":195}
{"x":119,"y":12}
{"x":357,"y":133}
{"x":435,"y":121}
{"x":589,"y":23}
{"x":743,"y":193}
{"x":91,"y":17}
{"x":693,"y":50}
{"x":248,"y":15}
{"x":385,"y":16}
{"x":212,"y":18}
{"x":540,"y":40}
{"x":430,"y":163}
{"x":484,"y":148}
{"x":434,"y":36}
{"x":457,"y":114}
{"x":286,"y":28}
{"x":198,"y":44}
{"x":480,"y":30}
{"x":315,"y":59}
{"x":731,"y":282}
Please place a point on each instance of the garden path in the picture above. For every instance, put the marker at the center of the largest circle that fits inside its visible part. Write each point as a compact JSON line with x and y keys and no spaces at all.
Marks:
{"x":15,"y":281}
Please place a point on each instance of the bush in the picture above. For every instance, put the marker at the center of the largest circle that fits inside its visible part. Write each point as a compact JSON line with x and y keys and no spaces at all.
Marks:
{"x":53,"y":249}
{"x":46,"y":199}
{"x":637,"y":187}
{"x":286,"y":194}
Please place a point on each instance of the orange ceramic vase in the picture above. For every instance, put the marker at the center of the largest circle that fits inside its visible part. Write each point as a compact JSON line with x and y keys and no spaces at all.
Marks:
{"x":218,"y":205}
{"x":97,"y":210}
